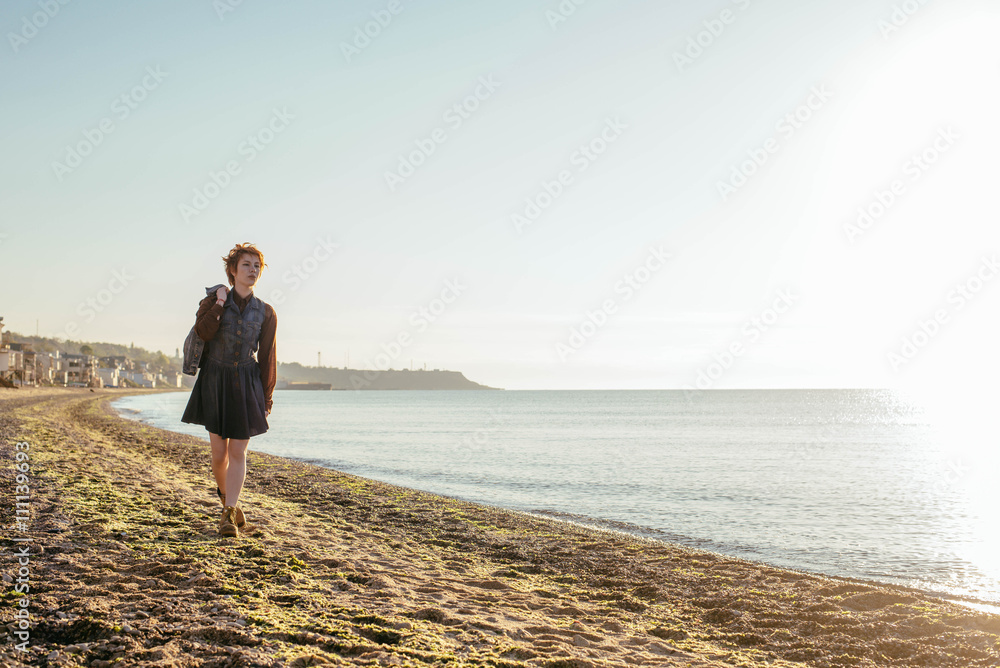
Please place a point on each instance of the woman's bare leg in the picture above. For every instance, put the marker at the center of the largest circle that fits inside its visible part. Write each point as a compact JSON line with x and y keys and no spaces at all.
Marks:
{"x":237,"y":471}
{"x":220,"y":460}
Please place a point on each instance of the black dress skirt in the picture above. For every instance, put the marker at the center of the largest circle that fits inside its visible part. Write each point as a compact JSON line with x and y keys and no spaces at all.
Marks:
{"x":228,"y":400}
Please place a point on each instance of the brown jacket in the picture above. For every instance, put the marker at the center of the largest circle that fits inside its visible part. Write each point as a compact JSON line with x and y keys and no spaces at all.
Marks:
{"x":207,"y":324}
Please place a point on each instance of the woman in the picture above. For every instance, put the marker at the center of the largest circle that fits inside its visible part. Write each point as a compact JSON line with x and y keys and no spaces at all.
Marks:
{"x":232,"y":394}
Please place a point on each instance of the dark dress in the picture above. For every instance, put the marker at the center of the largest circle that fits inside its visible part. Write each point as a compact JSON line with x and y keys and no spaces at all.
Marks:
{"x":229,"y":397}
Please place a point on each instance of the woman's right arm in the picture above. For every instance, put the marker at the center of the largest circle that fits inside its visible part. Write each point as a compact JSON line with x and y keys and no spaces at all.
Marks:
{"x":206,"y":322}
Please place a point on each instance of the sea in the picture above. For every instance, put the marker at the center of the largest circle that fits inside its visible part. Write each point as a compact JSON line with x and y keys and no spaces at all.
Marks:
{"x":866,"y":484}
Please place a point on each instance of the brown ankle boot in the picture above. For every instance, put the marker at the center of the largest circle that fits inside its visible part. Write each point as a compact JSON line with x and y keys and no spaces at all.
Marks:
{"x":226,"y":525}
{"x":239,"y":518}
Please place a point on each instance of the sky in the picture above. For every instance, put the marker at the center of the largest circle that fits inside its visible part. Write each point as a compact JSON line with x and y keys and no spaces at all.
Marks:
{"x":539,"y":194}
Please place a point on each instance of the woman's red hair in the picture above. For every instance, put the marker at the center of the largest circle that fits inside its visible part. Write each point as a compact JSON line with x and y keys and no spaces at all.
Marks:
{"x":233,"y":259}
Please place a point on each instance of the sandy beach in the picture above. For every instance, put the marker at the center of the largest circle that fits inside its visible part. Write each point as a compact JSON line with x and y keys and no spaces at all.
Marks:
{"x":127,"y":569}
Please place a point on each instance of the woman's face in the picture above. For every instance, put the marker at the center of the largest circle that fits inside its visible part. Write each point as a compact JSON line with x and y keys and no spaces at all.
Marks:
{"x":247,"y":270}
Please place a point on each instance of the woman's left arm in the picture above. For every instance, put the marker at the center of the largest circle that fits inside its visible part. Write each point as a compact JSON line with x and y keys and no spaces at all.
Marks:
{"x":267,"y":356}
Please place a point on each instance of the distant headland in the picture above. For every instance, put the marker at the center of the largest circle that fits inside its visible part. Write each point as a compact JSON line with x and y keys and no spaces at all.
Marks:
{"x":295,"y":376}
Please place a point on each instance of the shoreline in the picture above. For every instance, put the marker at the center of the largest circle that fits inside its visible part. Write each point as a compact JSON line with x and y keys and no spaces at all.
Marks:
{"x":352,"y":571}
{"x":969,"y":600}
{"x":596,"y":523}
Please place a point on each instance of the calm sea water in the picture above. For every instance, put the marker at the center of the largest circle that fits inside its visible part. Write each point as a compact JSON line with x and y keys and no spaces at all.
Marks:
{"x":856,"y":483}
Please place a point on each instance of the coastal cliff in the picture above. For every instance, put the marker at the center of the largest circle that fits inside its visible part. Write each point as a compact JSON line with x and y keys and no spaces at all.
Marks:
{"x":343,"y":378}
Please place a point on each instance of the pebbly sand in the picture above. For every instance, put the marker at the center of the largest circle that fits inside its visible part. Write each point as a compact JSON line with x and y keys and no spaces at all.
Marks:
{"x":127,"y":569}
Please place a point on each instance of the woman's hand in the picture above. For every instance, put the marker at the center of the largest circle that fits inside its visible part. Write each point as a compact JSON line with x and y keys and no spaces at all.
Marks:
{"x":266,"y":413}
{"x":221,"y":293}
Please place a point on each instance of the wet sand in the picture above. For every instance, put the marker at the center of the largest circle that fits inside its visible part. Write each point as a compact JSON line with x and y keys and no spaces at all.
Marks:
{"x":126,"y":566}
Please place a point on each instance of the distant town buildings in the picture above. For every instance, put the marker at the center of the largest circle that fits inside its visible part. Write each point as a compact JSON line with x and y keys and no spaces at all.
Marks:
{"x":20,"y":365}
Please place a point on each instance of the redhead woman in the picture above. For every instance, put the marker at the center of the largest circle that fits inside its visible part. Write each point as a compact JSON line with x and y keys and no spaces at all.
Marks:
{"x":232,"y":394}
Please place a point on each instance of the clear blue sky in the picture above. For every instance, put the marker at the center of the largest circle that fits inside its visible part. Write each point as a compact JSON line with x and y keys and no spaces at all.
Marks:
{"x":832,"y":100}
